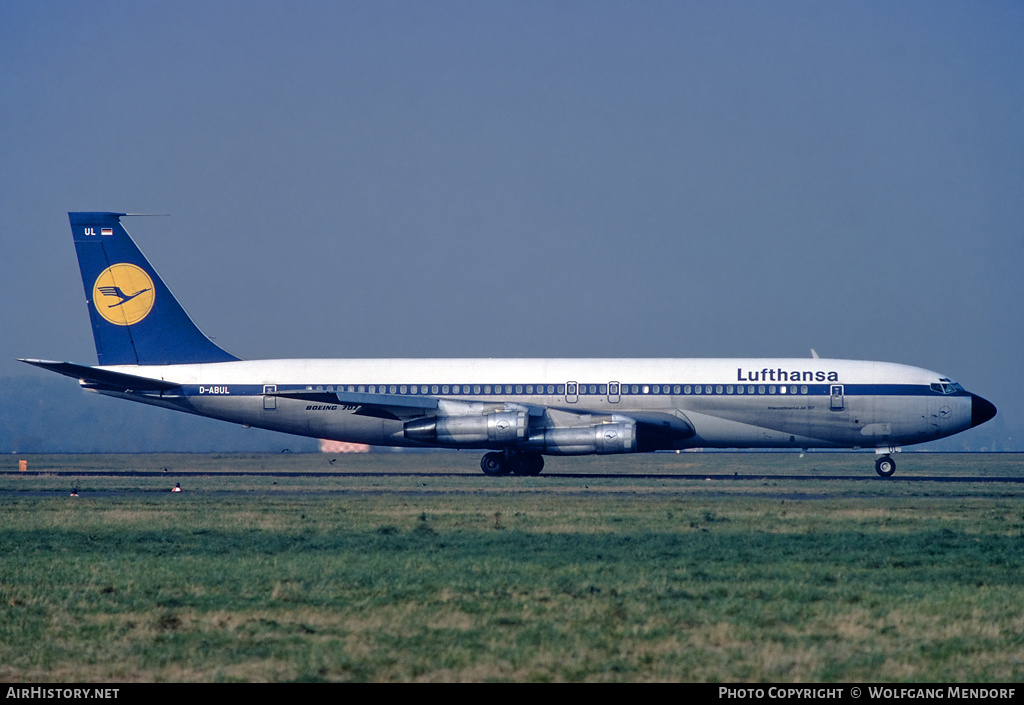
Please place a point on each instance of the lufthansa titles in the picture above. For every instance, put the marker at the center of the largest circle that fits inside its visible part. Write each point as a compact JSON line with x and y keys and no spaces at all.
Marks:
{"x":781,"y":375}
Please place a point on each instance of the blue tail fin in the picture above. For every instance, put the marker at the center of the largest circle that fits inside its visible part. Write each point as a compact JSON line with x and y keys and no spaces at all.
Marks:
{"x":135,"y":318}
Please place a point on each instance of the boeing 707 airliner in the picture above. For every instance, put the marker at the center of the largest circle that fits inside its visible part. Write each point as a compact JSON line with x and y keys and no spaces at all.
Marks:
{"x":518,"y":410}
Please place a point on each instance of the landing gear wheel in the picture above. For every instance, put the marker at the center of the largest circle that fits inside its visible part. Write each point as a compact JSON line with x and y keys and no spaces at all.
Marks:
{"x":495,"y":464}
{"x":528,"y":464}
{"x":885,"y":466}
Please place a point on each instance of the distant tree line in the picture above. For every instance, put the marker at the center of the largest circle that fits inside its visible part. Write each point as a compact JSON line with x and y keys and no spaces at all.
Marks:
{"x":55,"y":415}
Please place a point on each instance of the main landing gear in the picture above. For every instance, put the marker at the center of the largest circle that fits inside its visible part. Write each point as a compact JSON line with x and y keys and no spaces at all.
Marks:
{"x":510,"y":461}
{"x":885,"y":465}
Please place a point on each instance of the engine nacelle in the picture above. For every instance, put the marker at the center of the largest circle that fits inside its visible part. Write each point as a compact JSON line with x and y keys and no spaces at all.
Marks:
{"x":614,"y":437}
{"x":499,"y":427}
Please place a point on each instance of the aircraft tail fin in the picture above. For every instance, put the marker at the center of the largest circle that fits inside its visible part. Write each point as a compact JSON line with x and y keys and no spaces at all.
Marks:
{"x":135,"y":318}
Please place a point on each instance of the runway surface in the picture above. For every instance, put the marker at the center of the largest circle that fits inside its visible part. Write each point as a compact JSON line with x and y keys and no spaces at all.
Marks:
{"x":552,"y":475}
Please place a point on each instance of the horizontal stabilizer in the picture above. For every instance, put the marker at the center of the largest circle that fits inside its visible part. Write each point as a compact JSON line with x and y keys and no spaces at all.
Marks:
{"x":104,"y":378}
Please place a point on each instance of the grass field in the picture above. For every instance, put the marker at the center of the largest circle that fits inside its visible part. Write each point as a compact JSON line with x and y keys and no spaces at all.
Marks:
{"x":398,"y":567}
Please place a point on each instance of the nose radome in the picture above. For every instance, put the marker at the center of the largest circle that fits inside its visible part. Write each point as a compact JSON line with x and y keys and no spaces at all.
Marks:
{"x":981,"y":410}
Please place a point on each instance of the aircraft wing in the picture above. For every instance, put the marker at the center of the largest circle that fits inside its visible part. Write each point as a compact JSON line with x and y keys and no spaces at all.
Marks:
{"x":660,"y":429}
{"x":107,"y":379}
{"x":402,"y":407}
{"x":385,"y":406}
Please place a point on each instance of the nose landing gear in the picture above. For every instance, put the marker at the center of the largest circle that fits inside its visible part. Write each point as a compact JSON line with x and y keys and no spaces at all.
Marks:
{"x":885,"y":465}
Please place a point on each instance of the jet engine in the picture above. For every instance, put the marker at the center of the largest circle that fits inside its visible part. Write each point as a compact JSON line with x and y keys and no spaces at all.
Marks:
{"x":617,"y":436}
{"x":498,"y":428}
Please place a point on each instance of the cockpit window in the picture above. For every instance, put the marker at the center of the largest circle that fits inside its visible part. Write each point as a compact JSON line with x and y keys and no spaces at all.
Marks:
{"x":946,"y":386}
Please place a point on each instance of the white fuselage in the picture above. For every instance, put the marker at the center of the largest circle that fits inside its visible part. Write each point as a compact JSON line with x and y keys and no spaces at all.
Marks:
{"x":722,"y":403}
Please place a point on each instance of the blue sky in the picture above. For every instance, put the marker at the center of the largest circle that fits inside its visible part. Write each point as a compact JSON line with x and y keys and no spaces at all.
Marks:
{"x":496,"y":179}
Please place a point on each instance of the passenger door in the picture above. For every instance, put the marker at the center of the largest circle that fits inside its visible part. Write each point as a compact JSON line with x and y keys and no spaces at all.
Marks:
{"x":837,"y":403}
